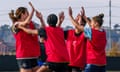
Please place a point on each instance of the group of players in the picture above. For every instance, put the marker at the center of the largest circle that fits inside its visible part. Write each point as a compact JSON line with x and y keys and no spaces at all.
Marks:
{"x":75,"y":50}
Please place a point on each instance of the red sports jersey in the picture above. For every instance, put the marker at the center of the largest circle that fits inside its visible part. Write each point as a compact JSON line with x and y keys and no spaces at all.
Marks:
{"x":27,"y":45}
{"x":55,"y":45}
{"x":96,"y":48}
{"x":76,"y":46}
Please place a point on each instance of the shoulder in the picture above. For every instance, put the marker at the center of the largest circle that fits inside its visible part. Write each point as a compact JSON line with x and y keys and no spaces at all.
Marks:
{"x":14,"y":28}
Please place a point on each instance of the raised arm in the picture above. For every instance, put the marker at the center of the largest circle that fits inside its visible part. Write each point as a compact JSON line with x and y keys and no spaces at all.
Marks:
{"x":76,"y":24}
{"x":28,"y":19}
{"x":60,"y":19}
{"x":84,"y":16}
{"x":39,"y":15}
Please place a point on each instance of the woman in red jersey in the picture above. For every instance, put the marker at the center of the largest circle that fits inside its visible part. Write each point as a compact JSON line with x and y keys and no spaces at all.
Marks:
{"x":76,"y":45}
{"x":96,"y":43}
{"x":27,"y":46}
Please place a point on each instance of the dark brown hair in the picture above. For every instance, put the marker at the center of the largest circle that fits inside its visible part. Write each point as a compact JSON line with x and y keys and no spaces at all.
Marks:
{"x":99,"y":19}
{"x":52,"y":20}
{"x":17,"y":15}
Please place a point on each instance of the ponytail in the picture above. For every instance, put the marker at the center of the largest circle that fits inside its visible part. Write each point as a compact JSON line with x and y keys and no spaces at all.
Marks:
{"x":99,"y":19}
{"x":17,"y":15}
{"x":12,"y":16}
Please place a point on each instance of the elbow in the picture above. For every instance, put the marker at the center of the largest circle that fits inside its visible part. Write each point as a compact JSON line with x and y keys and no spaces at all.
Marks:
{"x":28,"y":22}
{"x":28,"y":32}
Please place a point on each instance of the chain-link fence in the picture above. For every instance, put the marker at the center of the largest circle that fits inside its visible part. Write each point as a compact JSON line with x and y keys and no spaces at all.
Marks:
{"x":113,"y":42}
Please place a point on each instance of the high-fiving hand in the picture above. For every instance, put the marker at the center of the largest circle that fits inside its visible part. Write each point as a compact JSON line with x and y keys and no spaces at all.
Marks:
{"x":70,"y":11}
{"x":82,"y":11}
{"x":39,"y":14}
{"x":32,"y":6}
{"x":61,"y":16}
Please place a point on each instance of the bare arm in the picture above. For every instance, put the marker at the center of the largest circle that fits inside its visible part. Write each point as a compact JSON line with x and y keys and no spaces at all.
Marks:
{"x":60,"y":19}
{"x":39,"y":15}
{"x":27,"y":21}
{"x":76,"y":24}
{"x":29,"y":31}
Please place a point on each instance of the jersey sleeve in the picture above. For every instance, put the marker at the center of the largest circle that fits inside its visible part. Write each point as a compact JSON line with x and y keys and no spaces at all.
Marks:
{"x":88,"y":32}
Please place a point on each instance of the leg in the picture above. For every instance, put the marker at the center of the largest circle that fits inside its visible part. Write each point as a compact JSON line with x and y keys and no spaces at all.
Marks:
{"x":43,"y":69}
{"x":35,"y":68}
{"x":25,"y":70}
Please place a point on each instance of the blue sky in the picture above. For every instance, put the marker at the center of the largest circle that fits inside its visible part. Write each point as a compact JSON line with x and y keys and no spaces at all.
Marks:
{"x":92,"y":7}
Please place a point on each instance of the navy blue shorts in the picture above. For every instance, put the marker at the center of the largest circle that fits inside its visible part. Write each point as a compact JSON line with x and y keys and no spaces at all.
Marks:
{"x":94,"y":68}
{"x":27,"y":63}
